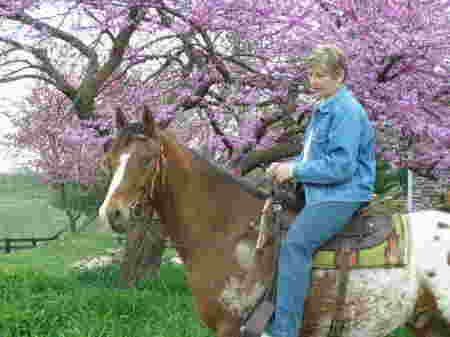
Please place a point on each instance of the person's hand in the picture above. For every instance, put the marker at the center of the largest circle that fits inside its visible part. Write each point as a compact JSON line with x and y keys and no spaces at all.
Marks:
{"x":270,"y":171}
{"x":281,"y":172}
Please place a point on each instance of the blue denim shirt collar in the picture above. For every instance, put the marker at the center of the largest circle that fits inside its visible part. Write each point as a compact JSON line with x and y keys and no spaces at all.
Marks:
{"x":323,"y":103}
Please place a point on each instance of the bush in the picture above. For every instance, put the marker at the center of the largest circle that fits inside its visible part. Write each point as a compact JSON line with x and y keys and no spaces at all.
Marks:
{"x":388,"y":179}
{"x":76,"y":200}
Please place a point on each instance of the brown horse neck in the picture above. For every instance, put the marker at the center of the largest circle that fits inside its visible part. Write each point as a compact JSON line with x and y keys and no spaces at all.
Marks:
{"x":199,"y":204}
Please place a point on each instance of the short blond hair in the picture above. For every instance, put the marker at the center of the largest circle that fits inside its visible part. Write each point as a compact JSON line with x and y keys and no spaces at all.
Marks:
{"x":330,"y":56}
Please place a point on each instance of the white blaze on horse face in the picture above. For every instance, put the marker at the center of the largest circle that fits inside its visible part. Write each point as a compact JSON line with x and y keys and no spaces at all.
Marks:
{"x":115,"y":183}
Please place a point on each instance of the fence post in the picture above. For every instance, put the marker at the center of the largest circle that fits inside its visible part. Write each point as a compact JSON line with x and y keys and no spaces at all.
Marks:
{"x":34,"y":241}
{"x":7,"y":246}
{"x":410,"y":192}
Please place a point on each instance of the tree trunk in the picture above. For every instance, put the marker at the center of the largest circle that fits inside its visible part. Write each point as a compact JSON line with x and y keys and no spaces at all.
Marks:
{"x":143,"y":253}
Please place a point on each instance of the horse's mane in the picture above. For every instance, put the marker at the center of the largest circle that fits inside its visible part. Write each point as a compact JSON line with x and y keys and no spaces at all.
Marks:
{"x":245,"y":183}
{"x":292,"y":199}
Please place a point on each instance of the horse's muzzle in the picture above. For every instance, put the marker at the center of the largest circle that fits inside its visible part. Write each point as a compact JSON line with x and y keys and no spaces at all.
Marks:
{"x":115,"y":218}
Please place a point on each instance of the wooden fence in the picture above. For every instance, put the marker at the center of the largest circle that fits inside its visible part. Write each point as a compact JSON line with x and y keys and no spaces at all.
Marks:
{"x":9,"y":244}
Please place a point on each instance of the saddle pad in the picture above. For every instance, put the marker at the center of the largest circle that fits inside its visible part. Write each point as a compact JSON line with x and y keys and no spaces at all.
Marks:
{"x":393,"y":252}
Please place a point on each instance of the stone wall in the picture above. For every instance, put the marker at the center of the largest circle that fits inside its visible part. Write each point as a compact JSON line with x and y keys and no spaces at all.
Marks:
{"x":426,"y":191}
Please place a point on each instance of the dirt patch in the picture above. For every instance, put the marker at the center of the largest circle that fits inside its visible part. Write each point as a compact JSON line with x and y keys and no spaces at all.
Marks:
{"x":114,"y":256}
{"x":92,"y":262}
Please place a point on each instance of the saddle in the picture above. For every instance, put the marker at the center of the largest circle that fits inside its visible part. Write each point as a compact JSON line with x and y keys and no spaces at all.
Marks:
{"x":361,"y":232}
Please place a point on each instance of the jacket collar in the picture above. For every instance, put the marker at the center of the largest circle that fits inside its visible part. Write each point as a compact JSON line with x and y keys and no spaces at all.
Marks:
{"x":320,"y":106}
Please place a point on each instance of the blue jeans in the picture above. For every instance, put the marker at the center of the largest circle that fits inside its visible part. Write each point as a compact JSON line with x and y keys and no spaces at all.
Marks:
{"x":313,"y":226}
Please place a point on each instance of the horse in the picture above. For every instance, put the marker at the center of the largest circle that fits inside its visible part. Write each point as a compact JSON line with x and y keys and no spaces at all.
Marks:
{"x":209,"y":215}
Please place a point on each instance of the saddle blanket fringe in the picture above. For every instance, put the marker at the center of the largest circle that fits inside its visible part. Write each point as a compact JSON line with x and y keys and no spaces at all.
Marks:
{"x":393,"y":252}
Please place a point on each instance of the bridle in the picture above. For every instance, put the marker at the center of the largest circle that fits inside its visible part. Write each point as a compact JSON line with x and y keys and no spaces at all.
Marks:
{"x":143,"y":207}
{"x":161,"y":162}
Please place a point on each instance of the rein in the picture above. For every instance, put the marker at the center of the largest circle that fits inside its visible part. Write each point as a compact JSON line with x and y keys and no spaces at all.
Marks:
{"x":147,"y":197}
{"x":160,"y":162}
{"x":254,"y":321}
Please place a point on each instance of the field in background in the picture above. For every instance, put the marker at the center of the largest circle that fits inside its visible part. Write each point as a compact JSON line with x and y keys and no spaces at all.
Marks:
{"x":24,"y":209}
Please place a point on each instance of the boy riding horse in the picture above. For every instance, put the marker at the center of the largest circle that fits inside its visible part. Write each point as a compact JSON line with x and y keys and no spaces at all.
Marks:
{"x":337,"y":169}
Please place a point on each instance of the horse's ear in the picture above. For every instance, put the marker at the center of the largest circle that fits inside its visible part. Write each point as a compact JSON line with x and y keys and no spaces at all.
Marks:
{"x":120,"y":119}
{"x":149,"y":122}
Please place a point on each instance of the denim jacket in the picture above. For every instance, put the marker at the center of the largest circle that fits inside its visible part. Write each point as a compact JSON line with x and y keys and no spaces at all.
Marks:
{"x":340,"y":165}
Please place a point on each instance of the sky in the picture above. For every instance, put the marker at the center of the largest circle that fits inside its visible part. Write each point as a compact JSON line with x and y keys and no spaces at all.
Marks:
{"x":9,"y":91}
{"x":14,"y":91}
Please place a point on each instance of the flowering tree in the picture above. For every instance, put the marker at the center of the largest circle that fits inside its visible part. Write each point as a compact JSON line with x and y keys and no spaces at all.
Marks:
{"x":231,"y":68}
{"x":66,"y":146}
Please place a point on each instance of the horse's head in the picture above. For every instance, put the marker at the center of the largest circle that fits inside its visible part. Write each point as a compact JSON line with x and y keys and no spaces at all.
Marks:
{"x":133,"y":159}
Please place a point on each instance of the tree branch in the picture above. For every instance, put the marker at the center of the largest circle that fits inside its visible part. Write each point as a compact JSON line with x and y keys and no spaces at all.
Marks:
{"x":55,"y":32}
{"x":11,"y":63}
{"x":240,"y":63}
{"x":21,"y":77}
{"x":209,"y":44}
{"x":218,"y":131}
{"x":9,"y":51}
{"x":120,"y":44}
{"x":90,"y":86}
{"x":264,"y":157}
{"x":106,"y":30}
{"x":393,"y":60}
{"x":59,"y":80}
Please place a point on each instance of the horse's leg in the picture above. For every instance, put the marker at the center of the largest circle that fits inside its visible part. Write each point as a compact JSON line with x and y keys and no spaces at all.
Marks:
{"x":439,"y":327}
{"x":223,"y":323}
{"x":214,"y":316}
{"x":434,"y":326}
{"x":427,"y":315}
{"x":432,"y":246}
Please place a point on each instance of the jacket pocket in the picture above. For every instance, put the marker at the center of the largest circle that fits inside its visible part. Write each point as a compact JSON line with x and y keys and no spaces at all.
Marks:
{"x":320,"y":138}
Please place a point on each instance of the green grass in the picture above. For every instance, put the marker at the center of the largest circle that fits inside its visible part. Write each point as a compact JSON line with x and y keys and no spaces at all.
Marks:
{"x":41,"y":295}
{"x":24,"y":210}
{"x":84,"y":304}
